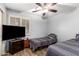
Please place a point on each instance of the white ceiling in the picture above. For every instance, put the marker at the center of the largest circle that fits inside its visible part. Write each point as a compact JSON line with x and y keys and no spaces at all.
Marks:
{"x":28,"y":6}
{"x":20,"y":6}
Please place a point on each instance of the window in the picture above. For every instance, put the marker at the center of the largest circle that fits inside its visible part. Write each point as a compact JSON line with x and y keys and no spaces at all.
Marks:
{"x":19,"y":21}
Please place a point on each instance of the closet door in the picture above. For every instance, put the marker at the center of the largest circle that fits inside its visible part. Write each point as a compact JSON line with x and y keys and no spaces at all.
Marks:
{"x":0,"y":31}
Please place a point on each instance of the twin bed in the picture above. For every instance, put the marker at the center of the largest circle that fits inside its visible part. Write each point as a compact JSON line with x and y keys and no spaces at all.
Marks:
{"x":43,"y":41}
{"x":67,"y":48}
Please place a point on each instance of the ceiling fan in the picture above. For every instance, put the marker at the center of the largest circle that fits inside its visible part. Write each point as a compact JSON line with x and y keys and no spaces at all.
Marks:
{"x":45,"y":7}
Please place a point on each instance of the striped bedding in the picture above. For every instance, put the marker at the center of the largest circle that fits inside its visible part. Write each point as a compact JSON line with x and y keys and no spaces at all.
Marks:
{"x":67,"y":48}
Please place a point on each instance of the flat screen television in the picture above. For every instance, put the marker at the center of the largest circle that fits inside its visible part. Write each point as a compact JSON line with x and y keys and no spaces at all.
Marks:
{"x":10,"y":32}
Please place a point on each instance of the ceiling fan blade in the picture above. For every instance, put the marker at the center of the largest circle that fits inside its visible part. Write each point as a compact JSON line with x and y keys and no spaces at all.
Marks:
{"x":52,"y":10}
{"x":36,"y":11}
{"x":54,"y":4}
{"x":39,"y":4}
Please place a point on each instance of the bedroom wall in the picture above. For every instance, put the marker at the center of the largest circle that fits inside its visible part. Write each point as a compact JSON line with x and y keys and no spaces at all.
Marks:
{"x":65,"y":25}
{"x":2,"y":45}
{"x":0,"y":31}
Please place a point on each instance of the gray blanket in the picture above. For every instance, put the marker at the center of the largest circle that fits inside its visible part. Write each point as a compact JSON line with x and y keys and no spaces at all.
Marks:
{"x":43,"y":41}
{"x":67,"y":48}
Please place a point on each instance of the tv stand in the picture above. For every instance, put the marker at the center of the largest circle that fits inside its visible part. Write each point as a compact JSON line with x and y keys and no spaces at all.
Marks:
{"x":16,"y":46}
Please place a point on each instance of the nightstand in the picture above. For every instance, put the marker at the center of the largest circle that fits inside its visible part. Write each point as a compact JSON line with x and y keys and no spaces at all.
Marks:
{"x":26,"y":43}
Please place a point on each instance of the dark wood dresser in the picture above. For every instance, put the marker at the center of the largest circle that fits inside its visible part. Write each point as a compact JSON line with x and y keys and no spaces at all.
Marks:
{"x":16,"y":46}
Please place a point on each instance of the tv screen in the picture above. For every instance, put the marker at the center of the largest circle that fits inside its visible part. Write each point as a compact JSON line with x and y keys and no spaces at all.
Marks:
{"x":10,"y":32}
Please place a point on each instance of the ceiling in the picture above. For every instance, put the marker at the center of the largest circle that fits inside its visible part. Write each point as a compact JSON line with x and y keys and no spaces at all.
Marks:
{"x":28,"y":6}
{"x":20,"y":6}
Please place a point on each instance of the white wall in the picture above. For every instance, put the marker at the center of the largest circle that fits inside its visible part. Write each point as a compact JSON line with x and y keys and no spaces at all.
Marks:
{"x":2,"y":19}
{"x":65,"y":25}
{"x":0,"y":31}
